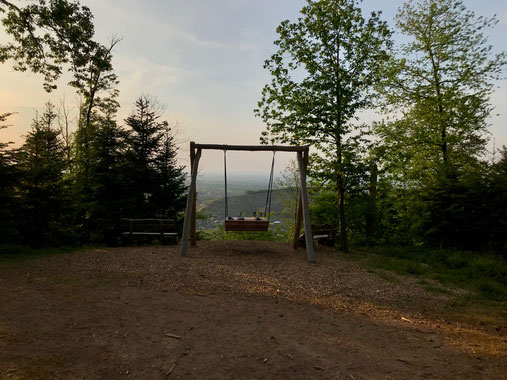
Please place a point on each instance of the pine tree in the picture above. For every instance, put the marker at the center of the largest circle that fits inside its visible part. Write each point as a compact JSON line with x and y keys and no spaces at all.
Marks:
{"x":99,"y":170}
{"x":41,"y":161}
{"x":168,"y":199}
{"x":156,"y":180}
{"x":9,"y":177}
{"x":145,"y":135}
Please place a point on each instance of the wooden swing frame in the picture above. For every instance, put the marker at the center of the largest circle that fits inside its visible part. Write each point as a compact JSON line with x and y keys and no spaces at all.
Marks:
{"x":303,"y":211}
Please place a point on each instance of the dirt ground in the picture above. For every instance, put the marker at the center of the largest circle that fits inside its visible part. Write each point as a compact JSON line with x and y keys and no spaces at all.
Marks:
{"x":233,"y":310}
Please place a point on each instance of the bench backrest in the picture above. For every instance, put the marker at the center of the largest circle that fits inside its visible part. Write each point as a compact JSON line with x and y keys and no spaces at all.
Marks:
{"x":327,"y":229}
{"x":148,"y":225}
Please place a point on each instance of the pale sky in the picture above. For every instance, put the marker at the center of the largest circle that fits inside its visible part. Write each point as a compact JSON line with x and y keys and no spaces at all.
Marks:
{"x":204,"y":59}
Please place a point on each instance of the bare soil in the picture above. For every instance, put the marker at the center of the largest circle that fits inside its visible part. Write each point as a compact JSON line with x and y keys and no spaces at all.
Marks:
{"x":233,"y":310}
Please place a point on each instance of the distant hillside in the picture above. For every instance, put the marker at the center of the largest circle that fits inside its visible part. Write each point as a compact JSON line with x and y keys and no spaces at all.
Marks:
{"x":248,"y":203}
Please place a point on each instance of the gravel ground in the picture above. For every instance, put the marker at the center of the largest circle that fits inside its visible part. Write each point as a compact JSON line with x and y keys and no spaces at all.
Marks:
{"x":233,"y":310}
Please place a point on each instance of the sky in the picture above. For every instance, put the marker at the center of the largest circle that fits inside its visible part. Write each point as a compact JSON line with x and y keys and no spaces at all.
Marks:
{"x":203,"y":60}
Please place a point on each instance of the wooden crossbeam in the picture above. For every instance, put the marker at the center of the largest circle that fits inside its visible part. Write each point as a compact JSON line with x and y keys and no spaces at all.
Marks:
{"x":252,"y":148}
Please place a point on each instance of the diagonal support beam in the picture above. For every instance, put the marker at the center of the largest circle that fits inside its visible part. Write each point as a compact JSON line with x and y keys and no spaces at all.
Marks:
{"x":306,"y":209}
{"x":190,"y":203}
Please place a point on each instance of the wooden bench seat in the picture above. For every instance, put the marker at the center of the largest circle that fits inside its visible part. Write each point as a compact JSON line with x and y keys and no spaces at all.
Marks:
{"x":162,"y":228}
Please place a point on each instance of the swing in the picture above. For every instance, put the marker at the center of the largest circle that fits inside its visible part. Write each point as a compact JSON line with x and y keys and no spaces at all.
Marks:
{"x":255,"y":223}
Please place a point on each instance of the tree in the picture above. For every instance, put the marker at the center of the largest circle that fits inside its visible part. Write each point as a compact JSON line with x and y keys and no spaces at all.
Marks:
{"x":322,"y":75}
{"x":41,"y":161}
{"x":497,"y":199}
{"x":97,"y":86}
{"x":441,"y":86}
{"x":169,"y":196}
{"x":145,"y":137}
{"x":8,"y":181}
{"x":48,"y":34}
{"x":157,"y":182}
{"x":99,"y":175}
{"x":438,"y":95}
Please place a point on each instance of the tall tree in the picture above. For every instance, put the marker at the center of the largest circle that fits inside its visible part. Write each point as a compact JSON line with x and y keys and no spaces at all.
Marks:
{"x":46,"y":35}
{"x":97,"y":86}
{"x":439,"y":96}
{"x":8,"y":181}
{"x":157,"y":182}
{"x":168,"y":197}
{"x":322,"y":75}
{"x":41,"y":161}
{"x":146,"y":129}
{"x":440,"y":86}
{"x":99,"y":171}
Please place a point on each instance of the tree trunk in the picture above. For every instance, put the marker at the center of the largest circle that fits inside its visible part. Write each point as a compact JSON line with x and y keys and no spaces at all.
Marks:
{"x":440,"y":109}
{"x":371,"y":211}
{"x":342,"y":244}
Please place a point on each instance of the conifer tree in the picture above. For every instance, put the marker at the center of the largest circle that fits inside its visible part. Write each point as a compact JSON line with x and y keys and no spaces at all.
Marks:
{"x":157,"y":182}
{"x":168,"y":197}
{"x":41,"y":161}
{"x":9,"y":177}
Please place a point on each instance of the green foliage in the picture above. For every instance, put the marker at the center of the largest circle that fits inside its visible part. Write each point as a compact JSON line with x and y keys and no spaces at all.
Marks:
{"x":8,"y":181}
{"x":51,"y":194}
{"x":440,"y":85}
{"x":46,"y":35}
{"x":322,"y":74}
{"x":438,"y":93}
{"x":99,"y":184}
{"x":41,"y":160}
{"x":157,"y":182}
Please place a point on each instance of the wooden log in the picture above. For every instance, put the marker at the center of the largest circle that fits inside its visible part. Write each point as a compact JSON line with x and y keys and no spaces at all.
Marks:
{"x":193,"y":228}
{"x":299,"y":212}
{"x":190,"y":201}
{"x":306,"y":209}
{"x":253,"y":148}
{"x":299,"y":221}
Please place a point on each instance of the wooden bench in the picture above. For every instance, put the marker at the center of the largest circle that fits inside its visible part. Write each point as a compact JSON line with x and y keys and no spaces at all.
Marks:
{"x":324,"y":234}
{"x":149,"y":228}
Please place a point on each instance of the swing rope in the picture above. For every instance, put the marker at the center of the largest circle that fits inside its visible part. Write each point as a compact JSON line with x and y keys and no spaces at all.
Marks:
{"x":269,"y":195}
{"x":225,"y":175}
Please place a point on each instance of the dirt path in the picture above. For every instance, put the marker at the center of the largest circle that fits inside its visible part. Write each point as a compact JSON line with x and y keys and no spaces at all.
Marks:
{"x":231,"y":310}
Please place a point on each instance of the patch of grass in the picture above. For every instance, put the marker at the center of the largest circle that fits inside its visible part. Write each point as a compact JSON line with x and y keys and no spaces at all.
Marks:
{"x":491,"y":289}
{"x":431,"y":287}
{"x":397,"y":265}
{"x":389,"y":277}
{"x":484,"y":273}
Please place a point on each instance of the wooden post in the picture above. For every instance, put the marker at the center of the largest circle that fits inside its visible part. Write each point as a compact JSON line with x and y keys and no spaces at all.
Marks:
{"x":299,"y":211}
{"x":299,"y":221}
{"x":193,"y":230}
{"x":190,"y":202}
{"x":306,"y":209}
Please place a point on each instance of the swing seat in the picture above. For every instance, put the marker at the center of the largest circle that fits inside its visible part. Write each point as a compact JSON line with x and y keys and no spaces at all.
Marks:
{"x":247,"y":224}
